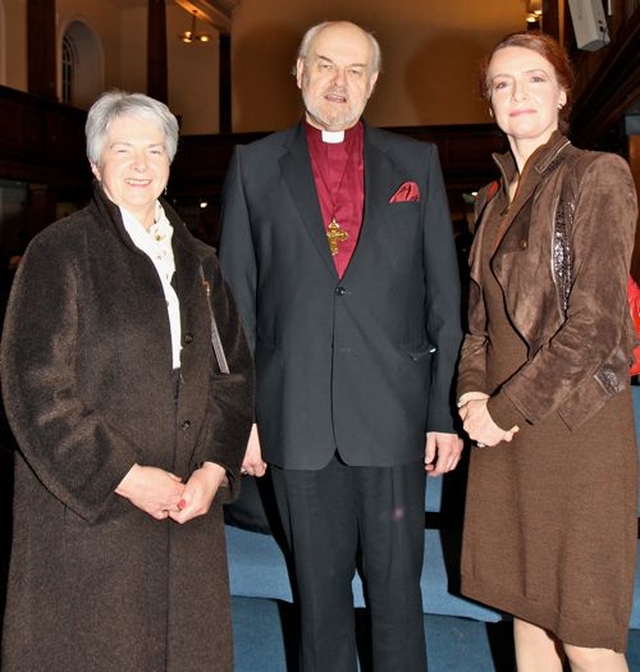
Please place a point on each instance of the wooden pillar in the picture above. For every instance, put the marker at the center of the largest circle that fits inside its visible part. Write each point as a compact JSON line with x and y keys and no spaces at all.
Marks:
{"x":224,"y":83}
{"x":157,"y":51}
{"x":551,"y":18}
{"x":41,"y":48}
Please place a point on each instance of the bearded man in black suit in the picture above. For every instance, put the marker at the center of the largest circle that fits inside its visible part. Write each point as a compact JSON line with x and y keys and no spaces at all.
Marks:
{"x":337,"y":242}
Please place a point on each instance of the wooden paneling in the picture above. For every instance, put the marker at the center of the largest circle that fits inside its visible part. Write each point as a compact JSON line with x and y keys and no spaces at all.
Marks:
{"x":201,"y":163}
{"x":465,"y":155}
{"x":42,"y":142}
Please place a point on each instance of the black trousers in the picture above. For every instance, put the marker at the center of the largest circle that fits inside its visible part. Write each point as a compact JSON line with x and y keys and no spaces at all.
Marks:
{"x":333,"y":517}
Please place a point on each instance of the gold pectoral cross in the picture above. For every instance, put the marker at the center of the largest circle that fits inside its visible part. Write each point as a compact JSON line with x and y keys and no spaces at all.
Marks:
{"x":335,"y":235}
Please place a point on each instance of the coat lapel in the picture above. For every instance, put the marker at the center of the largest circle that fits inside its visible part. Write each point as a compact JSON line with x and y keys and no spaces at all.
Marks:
{"x":296,"y":169}
{"x":381,"y":178}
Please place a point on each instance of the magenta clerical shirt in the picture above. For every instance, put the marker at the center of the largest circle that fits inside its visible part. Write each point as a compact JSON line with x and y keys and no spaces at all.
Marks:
{"x":338,"y":169}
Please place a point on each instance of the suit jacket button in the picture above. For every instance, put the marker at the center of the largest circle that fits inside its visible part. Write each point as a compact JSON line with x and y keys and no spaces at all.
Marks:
{"x":341,"y":291}
{"x":188,"y":338}
{"x":524,"y":244}
{"x":185,"y":425}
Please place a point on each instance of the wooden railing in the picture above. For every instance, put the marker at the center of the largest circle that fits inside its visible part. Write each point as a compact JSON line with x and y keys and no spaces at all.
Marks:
{"x":200,"y":165}
{"x":465,"y":153}
{"x":42,"y":142}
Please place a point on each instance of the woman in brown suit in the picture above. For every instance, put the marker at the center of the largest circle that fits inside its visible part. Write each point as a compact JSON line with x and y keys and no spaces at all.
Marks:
{"x":128,"y":385}
{"x":543,"y":390}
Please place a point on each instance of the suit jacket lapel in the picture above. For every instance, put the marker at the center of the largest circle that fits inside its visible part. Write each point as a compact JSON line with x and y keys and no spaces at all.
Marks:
{"x":381,"y":177}
{"x":296,"y":169}
{"x":380,"y":180}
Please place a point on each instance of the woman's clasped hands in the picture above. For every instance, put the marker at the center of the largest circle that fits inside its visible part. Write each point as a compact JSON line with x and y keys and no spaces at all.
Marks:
{"x":162,"y":494}
{"x":478,"y":423}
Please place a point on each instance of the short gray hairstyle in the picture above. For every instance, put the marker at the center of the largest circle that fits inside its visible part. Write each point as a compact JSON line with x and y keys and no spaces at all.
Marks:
{"x":114,"y":104}
{"x":310,"y":35}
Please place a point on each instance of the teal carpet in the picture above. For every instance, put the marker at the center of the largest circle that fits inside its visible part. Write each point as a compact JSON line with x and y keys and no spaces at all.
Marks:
{"x":453,"y":644}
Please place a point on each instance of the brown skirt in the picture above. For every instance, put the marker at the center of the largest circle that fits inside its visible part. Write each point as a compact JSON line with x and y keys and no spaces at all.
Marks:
{"x":550,"y":531}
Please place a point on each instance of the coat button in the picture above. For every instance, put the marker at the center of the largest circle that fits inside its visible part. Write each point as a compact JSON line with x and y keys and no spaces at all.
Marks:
{"x":188,"y":338}
{"x":185,"y":425}
{"x":341,"y":291}
{"x":524,"y":244}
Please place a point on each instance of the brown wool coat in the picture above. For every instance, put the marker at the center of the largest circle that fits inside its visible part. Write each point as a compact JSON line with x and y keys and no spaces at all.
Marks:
{"x":96,"y":584}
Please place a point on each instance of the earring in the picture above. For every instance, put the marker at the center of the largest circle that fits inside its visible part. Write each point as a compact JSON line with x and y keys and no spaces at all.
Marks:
{"x":560,"y":106}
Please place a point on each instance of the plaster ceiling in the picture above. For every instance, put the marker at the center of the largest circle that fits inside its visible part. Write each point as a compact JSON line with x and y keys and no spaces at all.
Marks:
{"x":216,"y":12}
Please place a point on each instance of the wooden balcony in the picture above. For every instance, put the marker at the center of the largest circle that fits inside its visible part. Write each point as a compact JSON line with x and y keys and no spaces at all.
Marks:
{"x":42,"y":144}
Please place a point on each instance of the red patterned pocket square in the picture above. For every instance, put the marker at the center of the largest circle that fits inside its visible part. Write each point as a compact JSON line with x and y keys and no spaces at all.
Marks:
{"x":408,"y":191}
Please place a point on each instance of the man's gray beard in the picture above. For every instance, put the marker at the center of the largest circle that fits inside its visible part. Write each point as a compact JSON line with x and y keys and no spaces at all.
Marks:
{"x":342,"y":122}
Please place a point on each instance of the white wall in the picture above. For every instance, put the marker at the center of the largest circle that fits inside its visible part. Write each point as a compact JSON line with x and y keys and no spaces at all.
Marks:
{"x":430,"y":53}
{"x":14,"y":46}
{"x":430,"y":48}
{"x":193,"y":75}
{"x":103,"y":19}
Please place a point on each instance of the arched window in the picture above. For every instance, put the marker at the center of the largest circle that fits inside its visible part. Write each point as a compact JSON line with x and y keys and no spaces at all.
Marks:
{"x":81,"y":65}
{"x":68,"y":69}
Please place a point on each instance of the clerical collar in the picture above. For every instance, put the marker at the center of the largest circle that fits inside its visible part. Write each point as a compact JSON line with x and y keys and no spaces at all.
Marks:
{"x":332,"y":137}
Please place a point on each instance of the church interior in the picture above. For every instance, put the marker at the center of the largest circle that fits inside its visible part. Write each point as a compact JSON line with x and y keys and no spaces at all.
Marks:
{"x":224,"y":68}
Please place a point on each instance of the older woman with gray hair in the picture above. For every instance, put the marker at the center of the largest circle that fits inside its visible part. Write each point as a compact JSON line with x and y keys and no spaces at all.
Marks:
{"x":128,"y":386}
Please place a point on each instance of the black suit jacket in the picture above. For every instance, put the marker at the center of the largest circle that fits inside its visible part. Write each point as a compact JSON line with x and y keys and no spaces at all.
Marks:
{"x":364,"y":363}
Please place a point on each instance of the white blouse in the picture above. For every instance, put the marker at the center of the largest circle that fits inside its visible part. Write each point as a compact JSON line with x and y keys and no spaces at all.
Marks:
{"x":155,"y":242}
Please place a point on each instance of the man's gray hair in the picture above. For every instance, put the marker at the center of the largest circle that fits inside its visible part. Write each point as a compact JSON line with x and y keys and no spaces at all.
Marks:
{"x":311,"y":34}
{"x":113,"y":104}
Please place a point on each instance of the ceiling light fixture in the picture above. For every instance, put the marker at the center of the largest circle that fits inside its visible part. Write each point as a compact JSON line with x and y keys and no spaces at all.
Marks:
{"x":534,"y":14}
{"x":533,"y":18}
{"x":190,"y":36}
